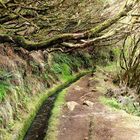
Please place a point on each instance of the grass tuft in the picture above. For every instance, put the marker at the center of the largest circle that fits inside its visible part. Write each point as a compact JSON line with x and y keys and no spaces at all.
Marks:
{"x":112,"y":102}
{"x":129,"y":108}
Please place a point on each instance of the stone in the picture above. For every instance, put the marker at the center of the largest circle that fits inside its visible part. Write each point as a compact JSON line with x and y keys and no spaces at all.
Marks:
{"x":78,"y":88}
{"x":86,"y":138}
{"x":93,"y":89}
{"x":88,"y":103}
{"x":71,"y":105}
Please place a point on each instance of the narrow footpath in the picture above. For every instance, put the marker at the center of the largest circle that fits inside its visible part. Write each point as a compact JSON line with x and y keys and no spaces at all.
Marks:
{"x":84,"y":117}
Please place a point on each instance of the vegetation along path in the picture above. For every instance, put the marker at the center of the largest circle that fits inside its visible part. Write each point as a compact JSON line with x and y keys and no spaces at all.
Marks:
{"x":85,"y":116}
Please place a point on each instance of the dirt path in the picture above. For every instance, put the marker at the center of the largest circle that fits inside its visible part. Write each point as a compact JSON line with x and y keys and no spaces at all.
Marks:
{"x":90,"y":119}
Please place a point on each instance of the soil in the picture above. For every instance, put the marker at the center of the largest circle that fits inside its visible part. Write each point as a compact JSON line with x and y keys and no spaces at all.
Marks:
{"x":97,"y":122}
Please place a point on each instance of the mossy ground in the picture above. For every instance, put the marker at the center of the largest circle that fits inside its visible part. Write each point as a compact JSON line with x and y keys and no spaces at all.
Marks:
{"x":52,"y":131}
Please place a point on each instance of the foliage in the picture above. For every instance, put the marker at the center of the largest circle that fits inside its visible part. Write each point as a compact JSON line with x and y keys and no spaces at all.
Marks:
{"x":3,"y":90}
{"x":66,"y":64}
{"x":4,"y":77}
{"x":62,"y":69}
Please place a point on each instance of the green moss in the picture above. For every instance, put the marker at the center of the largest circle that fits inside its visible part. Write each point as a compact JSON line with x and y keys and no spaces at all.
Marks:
{"x":55,"y":114}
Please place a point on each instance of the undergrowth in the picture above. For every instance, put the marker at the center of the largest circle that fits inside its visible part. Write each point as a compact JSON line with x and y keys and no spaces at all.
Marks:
{"x":129,"y":108}
{"x":3,"y":83}
{"x":113,"y":69}
{"x":66,"y":64}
